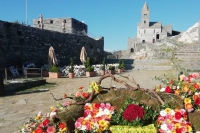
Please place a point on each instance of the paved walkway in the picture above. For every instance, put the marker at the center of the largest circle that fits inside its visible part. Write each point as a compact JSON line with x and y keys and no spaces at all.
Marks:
{"x":16,"y":109}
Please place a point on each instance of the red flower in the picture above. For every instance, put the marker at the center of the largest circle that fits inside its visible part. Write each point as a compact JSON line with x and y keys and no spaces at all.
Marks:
{"x":197,"y":101}
{"x":97,"y":105}
{"x":179,"y":130}
{"x":85,"y":95}
{"x":168,"y":89}
{"x":133,"y":112}
{"x":196,"y":86}
{"x":178,"y":115}
{"x":46,"y":122}
{"x":62,"y":125}
{"x":38,"y":130}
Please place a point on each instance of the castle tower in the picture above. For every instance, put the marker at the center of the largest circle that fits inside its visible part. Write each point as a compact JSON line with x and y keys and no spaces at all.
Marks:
{"x":145,"y":15}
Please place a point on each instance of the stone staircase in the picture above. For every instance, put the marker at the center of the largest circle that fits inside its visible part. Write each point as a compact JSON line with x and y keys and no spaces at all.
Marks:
{"x":152,"y":64}
{"x":188,"y":57}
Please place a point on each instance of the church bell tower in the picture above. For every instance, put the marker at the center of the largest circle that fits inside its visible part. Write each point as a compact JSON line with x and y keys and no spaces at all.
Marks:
{"x":145,"y":16}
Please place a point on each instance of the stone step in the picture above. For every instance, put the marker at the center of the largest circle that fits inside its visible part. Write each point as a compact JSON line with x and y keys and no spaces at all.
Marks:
{"x":151,"y":67}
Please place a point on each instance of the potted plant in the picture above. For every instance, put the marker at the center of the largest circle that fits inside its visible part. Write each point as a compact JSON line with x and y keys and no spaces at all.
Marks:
{"x":103,"y":67}
{"x":120,"y":66}
{"x":54,"y":72}
{"x":71,"y":69}
{"x":123,"y":66}
{"x":111,"y":69}
{"x":89,"y":69}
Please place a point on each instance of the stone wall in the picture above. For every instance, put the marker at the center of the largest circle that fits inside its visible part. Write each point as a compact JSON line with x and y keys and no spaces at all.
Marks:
{"x":20,"y":44}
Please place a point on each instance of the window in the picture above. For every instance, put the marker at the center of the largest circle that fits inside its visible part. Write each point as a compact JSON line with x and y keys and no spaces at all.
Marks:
{"x":144,"y":21}
{"x":145,"y":15}
{"x":64,"y":21}
{"x":51,"y":21}
{"x":38,"y":22}
{"x":132,"y":50}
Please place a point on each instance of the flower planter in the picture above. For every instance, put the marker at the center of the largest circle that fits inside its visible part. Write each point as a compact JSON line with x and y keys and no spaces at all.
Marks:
{"x":130,"y":129}
{"x":54,"y":75}
{"x":71,"y":75}
{"x":119,"y":70}
{"x":111,"y":71}
{"x":45,"y":73}
{"x":102,"y":72}
{"x":90,"y":74}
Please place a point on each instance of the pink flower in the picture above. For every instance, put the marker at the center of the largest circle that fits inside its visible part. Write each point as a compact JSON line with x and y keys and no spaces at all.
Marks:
{"x":66,"y":103}
{"x":185,"y":78}
{"x":78,"y":94}
{"x":182,"y":111}
{"x":195,"y":75}
{"x":170,"y":127}
{"x":51,"y":129}
{"x":78,"y":125}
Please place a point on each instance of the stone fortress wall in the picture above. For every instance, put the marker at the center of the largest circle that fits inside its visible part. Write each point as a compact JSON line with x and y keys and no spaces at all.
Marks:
{"x":20,"y":44}
{"x":63,"y":25}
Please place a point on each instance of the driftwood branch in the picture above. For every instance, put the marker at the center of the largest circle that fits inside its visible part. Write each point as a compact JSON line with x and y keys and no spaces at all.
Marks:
{"x":130,"y":87}
{"x":91,"y":96}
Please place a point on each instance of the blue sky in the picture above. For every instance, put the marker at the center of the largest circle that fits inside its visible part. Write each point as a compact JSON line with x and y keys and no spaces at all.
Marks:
{"x":115,"y":20}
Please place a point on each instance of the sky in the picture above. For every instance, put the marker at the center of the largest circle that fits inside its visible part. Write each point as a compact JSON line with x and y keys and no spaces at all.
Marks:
{"x":115,"y":20}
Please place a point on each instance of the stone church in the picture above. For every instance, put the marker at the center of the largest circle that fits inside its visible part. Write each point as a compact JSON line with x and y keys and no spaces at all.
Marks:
{"x":149,"y":32}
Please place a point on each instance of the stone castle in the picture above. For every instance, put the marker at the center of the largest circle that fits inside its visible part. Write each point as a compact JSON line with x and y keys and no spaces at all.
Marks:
{"x":63,"y":25}
{"x":149,"y":32}
{"x":21,"y":44}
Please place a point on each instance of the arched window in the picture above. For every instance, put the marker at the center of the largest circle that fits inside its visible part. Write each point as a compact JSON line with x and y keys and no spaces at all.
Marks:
{"x":143,"y":41}
{"x":144,"y":21}
{"x":132,"y":50}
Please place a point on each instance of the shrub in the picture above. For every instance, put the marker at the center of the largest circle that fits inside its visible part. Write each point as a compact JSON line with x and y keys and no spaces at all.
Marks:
{"x":90,"y":69}
{"x":71,"y":69}
{"x":111,"y":68}
{"x":54,"y":68}
{"x":103,"y":64}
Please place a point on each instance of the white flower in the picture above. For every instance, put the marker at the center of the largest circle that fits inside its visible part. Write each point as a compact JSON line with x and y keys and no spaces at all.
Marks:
{"x":172,"y":112}
{"x":163,"y":127}
{"x":163,"y":113}
{"x":39,"y":113}
{"x":178,"y":87}
{"x":162,"y":90}
{"x":83,"y":127}
{"x":52,"y":115}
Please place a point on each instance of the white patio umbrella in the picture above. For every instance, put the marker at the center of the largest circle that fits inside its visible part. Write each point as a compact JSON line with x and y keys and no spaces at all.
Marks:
{"x":52,"y":60}
{"x":83,"y":55}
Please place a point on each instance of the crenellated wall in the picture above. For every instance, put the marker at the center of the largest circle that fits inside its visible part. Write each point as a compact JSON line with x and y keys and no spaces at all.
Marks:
{"x":20,"y":44}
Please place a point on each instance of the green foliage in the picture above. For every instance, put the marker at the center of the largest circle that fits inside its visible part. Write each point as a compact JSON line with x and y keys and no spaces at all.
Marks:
{"x":149,"y":117}
{"x":71,"y":69}
{"x":121,"y":64}
{"x":103,"y":64}
{"x":111,"y":68}
{"x":87,"y":63}
{"x":54,"y":68}
{"x":90,"y":69}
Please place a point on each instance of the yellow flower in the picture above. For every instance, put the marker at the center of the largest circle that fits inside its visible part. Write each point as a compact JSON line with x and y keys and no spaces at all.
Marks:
{"x":167,"y":110}
{"x":177,"y":125}
{"x":189,"y":128}
{"x":103,"y":123}
{"x":38,"y":117}
{"x":187,"y":100}
{"x":63,"y":130}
